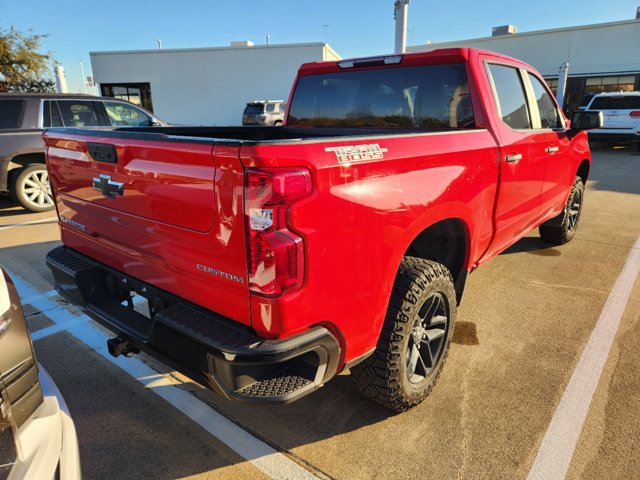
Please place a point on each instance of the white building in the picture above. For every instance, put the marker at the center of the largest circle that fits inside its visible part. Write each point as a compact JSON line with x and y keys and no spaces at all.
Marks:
{"x":204,"y":86}
{"x":602,"y":58}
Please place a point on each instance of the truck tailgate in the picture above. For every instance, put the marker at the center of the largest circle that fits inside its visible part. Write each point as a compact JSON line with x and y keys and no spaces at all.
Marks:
{"x":167,"y":212}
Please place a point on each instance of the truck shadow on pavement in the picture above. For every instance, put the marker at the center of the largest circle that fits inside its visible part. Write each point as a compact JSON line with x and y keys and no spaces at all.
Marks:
{"x":534,"y":246}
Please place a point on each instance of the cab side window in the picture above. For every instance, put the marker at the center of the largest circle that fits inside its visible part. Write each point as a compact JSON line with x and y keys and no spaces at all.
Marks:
{"x":549,"y":117}
{"x":270,"y":107}
{"x":510,"y":96}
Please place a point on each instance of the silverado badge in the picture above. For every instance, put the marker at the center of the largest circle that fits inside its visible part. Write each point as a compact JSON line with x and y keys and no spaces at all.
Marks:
{"x":108,"y":187}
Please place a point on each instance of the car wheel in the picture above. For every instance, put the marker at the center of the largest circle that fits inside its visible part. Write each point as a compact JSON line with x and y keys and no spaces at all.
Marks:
{"x":559,"y":233}
{"x":415,"y":337}
{"x":31,"y":188}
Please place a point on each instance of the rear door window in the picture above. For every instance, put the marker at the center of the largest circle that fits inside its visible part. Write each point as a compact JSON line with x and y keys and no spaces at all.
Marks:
{"x":510,"y":96}
{"x":11,"y":113}
{"x":121,"y":114}
{"x":628,"y":102}
{"x":549,"y":116}
{"x":428,"y":97}
{"x":81,"y":113}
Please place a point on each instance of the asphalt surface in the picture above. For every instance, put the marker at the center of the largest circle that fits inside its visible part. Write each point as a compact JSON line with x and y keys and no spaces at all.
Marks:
{"x":524,"y":321}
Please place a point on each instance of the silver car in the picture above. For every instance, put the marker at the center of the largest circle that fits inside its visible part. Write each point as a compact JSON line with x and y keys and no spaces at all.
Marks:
{"x":37,"y":436}
{"x":264,"y":112}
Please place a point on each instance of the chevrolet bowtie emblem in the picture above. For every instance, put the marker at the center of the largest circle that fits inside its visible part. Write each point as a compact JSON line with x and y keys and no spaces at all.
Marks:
{"x":108,"y":187}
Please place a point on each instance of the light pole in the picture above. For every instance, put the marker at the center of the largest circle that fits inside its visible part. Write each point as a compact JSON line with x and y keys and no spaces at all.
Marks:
{"x":326,"y":26}
{"x":84,"y":80}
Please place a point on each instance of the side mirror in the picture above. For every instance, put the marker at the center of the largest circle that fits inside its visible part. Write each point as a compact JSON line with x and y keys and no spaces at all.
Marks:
{"x":586,"y":120}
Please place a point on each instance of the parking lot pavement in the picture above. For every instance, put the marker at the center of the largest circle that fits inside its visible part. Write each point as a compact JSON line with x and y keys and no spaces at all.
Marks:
{"x":523,"y":325}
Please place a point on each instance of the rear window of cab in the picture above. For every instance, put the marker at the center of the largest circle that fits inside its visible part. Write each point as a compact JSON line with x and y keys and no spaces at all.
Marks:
{"x":425,"y":97}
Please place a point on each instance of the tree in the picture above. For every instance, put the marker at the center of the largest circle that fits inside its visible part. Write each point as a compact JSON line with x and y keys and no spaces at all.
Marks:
{"x":22,"y":68}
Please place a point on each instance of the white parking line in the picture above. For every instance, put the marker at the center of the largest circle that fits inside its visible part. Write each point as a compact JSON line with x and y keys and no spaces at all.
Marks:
{"x":262,"y":456}
{"x":563,"y":433}
{"x":57,"y":327}
{"x":28,"y":300}
{"x":34,"y":222}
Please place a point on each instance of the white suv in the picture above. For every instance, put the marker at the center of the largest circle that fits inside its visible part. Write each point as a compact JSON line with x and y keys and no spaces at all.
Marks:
{"x":621,"y":112}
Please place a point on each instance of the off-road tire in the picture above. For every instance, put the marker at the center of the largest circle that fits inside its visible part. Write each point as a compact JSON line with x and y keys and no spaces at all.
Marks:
{"x":383,"y":377}
{"x":572,"y":211}
{"x":25,"y":188}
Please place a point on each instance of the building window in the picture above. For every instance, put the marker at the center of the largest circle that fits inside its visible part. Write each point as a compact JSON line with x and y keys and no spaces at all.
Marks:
{"x":553,"y":84}
{"x":136,"y":93}
{"x":622,"y":83}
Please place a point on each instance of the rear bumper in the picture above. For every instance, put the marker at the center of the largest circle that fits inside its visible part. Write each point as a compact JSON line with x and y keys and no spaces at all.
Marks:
{"x":207,"y":347}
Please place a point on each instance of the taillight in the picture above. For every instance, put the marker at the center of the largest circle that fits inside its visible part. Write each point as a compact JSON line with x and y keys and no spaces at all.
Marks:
{"x":635,"y":113}
{"x":276,"y":255}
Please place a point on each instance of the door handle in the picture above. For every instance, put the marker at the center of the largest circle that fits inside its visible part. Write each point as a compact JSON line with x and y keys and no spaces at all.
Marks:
{"x":553,"y":149}
{"x":514,"y":157}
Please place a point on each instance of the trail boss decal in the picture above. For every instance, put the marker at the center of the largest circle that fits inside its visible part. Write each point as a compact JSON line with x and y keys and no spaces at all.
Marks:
{"x":357,"y":153}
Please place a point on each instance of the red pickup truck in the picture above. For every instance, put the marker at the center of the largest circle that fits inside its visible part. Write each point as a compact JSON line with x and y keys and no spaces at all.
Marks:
{"x":263,"y":261}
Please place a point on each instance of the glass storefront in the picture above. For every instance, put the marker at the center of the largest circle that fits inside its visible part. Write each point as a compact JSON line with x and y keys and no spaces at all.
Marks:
{"x":578,"y":87}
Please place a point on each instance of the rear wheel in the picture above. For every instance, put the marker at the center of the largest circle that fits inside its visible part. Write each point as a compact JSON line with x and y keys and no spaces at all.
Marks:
{"x":415,"y":337}
{"x":31,"y":188}
{"x":560,"y":233}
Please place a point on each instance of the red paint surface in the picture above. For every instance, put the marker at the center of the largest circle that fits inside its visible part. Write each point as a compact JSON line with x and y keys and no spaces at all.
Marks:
{"x":183,"y":206}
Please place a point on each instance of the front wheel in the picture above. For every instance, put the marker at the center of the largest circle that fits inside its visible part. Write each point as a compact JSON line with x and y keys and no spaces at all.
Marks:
{"x":415,"y":337}
{"x":561,"y":229}
{"x":31,"y":188}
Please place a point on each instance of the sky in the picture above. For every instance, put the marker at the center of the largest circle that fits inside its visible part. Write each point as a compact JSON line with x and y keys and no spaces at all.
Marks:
{"x":353,"y":27}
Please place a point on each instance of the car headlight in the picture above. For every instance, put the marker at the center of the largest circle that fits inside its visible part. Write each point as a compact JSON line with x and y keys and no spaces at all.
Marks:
{"x":5,"y":321}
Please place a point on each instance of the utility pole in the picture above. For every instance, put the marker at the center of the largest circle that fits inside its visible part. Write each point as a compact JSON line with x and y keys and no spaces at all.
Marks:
{"x":562,"y":83}
{"x":400,"y":13}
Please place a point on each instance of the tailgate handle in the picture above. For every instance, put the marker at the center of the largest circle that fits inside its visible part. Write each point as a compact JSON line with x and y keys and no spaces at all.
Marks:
{"x":103,"y":152}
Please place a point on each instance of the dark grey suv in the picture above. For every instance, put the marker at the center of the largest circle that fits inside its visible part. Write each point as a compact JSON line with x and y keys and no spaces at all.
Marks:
{"x":22,"y":119}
